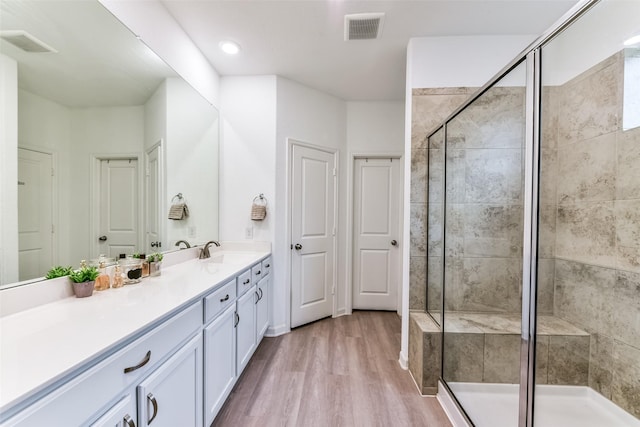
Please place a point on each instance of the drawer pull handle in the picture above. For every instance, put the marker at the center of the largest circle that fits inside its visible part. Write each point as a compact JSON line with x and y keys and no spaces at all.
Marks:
{"x":267,"y":266}
{"x":151,"y":398}
{"x":246,"y":282}
{"x":258,"y":273}
{"x":257,"y":297}
{"x":261,"y":294}
{"x":226,"y":298}
{"x":237,"y":319}
{"x":127,"y":419}
{"x":139,"y":365}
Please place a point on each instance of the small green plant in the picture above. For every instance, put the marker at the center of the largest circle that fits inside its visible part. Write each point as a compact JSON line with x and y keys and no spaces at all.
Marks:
{"x":58,"y":271}
{"x":156,"y":257}
{"x":84,"y":274}
{"x":137,"y":256}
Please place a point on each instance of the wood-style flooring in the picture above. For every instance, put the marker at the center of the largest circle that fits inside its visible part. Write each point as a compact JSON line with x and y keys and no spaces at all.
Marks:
{"x":334,"y":372}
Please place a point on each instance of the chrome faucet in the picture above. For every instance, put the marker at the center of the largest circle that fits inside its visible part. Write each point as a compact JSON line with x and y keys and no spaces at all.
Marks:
{"x":204,"y":252}
{"x":185,"y":242}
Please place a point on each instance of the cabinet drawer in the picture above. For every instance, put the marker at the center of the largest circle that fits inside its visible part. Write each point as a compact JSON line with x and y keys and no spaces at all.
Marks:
{"x":256,"y":273}
{"x":219,"y":300}
{"x":244,"y":282}
{"x":75,"y":402}
{"x":266,"y":267}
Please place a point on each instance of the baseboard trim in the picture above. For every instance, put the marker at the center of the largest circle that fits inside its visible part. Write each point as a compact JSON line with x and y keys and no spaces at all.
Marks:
{"x":403,"y":361}
{"x":450,"y":408}
{"x":276,"y":331}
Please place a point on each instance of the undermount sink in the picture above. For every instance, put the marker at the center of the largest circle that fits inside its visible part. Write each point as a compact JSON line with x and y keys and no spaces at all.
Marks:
{"x":231,"y":259}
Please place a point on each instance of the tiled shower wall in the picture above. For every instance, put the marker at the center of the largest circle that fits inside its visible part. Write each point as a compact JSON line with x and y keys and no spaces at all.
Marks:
{"x":430,"y":107}
{"x":590,"y":225}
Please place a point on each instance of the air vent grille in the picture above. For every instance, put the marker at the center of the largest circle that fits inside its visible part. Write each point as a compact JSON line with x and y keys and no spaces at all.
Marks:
{"x":363,"y":26}
{"x":26,"y":41}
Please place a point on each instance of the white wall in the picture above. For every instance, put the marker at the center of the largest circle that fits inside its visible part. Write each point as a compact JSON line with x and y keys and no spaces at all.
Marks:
{"x":375,"y":126}
{"x":151,"y":21}
{"x":8,"y":170}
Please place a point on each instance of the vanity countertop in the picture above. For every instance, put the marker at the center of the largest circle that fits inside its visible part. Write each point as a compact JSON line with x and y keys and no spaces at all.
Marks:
{"x":42,"y":345}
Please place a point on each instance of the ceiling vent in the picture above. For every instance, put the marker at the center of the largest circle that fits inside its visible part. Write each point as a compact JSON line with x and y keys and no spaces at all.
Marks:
{"x":363,"y":26}
{"x":26,"y":41}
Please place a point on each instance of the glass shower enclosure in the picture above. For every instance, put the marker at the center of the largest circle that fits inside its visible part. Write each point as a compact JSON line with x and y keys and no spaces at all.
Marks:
{"x":534,"y":231}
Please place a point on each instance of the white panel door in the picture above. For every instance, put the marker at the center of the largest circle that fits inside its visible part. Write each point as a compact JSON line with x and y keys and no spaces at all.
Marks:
{"x":118,"y":207}
{"x":312,"y":233}
{"x":35,"y":214}
{"x":376,"y":258}
{"x":153,"y":199}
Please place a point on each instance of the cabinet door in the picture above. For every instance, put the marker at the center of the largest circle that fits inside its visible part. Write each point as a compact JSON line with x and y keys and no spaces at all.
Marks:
{"x":122,"y":414}
{"x":262,"y":312}
{"x":246,"y":329}
{"x":219,"y":362}
{"x":172,"y":394}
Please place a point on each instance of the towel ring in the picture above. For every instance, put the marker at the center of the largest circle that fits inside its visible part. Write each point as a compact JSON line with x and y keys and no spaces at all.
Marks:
{"x":177,"y":196}
{"x":260,"y":200}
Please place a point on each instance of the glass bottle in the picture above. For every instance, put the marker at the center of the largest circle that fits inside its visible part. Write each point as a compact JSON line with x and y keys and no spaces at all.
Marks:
{"x":145,"y":265}
{"x":102,"y":281}
{"x":117,"y":277}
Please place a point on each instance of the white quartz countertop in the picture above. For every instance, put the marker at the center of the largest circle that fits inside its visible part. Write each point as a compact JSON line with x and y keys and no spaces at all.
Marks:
{"x":41,"y":345}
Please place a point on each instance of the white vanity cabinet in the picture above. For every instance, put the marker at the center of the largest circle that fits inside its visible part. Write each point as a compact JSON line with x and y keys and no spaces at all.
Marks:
{"x":263,"y":290}
{"x":172,"y":394}
{"x":245,"y":329}
{"x":122,"y":414}
{"x":219,"y":361}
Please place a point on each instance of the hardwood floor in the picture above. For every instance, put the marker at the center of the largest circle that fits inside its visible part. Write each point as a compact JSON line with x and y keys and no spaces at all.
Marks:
{"x":334,"y":372}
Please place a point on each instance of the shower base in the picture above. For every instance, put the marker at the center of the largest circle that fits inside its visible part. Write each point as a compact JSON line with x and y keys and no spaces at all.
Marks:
{"x":496,"y":405}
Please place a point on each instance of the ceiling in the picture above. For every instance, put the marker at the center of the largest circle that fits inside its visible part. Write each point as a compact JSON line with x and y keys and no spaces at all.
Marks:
{"x":303,"y":40}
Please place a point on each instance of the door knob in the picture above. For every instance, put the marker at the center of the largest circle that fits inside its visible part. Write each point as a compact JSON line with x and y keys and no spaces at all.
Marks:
{"x":298,"y":246}
{"x":102,"y":238}
{"x":394,"y":243}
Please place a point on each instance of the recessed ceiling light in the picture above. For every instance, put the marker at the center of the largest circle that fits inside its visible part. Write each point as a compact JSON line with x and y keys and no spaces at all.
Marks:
{"x":230,"y":47}
{"x":633,"y":40}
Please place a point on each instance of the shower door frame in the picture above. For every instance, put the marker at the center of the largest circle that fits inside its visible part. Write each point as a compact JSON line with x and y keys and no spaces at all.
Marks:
{"x":532,"y":58}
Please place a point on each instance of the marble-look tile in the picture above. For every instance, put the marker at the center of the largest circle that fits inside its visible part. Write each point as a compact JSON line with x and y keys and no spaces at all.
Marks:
{"x":454,"y":230}
{"x":501,"y":359}
{"x":587,"y":170}
{"x":542,"y":359}
{"x":428,"y":111}
{"x":418,"y":230}
{"x":493,"y":230}
{"x":434,"y":284}
{"x":569,"y":360}
{"x":584,"y":295}
{"x":547,"y":230}
{"x":494,"y":120}
{"x":549,"y":121}
{"x":546,"y":277}
{"x":436,"y":140}
{"x":552,"y":325}
{"x":435,"y":230}
{"x":601,"y":364}
{"x":417,"y":283}
{"x":625,"y":387}
{"x":495,"y":323}
{"x":548,"y":175}
{"x":415,"y":350}
{"x":493,"y":176}
{"x":589,"y":105}
{"x":628,"y":178}
{"x":453,"y":280}
{"x":418,"y":176}
{"x":463,"y":357}
{"x":443,"y":91}
{"x":432,"y":364}
{"x":626,"y":311}
{"x":435,"y":175}
{"x":455,"y":176}
{"x":627,"y":216}
{"x":491,"y":285}
{"x":586,"y":232}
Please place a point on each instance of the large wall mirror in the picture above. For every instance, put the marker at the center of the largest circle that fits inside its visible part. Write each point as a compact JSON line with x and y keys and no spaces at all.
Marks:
{"x":108,"y":137}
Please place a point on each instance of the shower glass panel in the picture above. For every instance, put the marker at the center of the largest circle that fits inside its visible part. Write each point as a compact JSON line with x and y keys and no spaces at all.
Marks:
{"x":483,"y":237}
{"x":588,"y":266}
{"x":435,"y":191}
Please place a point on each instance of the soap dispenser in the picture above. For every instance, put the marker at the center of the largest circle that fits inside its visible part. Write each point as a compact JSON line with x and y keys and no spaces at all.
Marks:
{"x":103,"y":281}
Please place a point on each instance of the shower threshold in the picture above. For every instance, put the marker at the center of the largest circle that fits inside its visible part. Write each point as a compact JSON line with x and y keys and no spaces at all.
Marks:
{"x":496,"y":405}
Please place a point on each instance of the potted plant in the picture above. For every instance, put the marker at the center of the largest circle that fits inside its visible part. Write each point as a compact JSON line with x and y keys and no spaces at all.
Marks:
{"x":83,"y":281}
{"x":58,"y":271}
{"x":155,"y":262}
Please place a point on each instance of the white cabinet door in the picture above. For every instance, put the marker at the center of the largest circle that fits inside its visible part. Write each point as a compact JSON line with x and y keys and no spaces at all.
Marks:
{"x":172,"y":394}
{"x":262,"y":308}
{"x":219,"y":362}
{"x":122,"y":414}
{"x":246,"y":328}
